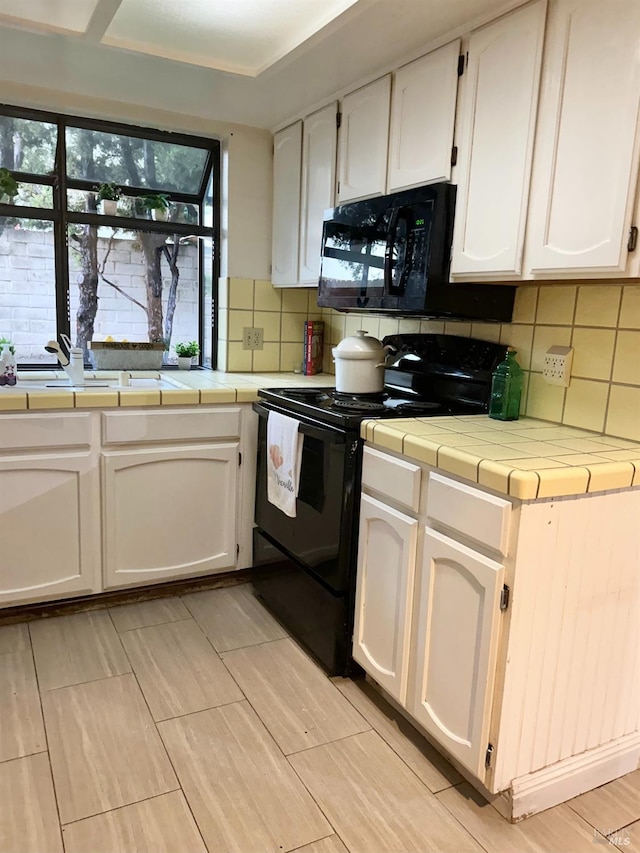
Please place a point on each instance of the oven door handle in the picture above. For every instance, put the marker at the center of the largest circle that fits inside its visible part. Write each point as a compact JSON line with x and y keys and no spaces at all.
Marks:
{"x":327,"y":435}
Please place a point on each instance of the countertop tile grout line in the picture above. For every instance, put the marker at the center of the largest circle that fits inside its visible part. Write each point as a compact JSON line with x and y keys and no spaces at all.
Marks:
{"x":46,"y":740}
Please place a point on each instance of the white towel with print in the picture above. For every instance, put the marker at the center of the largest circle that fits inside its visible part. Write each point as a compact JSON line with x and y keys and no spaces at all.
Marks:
{"x":284,"y":460}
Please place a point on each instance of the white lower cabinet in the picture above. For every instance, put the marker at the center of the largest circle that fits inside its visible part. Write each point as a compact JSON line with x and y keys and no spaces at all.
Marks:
{"x":169,"y":512}
{"x":456,"y":640}
{"x":49,"y":526}
{"x":122,"y":498}
{"x":504,"y":629}
{"x":386,"y":568}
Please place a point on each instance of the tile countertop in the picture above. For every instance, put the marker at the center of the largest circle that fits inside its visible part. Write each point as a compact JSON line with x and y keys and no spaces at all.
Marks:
{"x":186,"y":388}
{"x":526,"y":459}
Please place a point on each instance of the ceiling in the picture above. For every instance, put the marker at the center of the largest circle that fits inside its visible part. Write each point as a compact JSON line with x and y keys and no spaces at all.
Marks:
{"x":254,"y":62}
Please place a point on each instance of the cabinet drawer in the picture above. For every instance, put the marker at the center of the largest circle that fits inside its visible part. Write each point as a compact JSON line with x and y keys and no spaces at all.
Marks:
{"x":478,"y":515}
{"x":179,"y":425}
{"x":22,"y":432}
{"x":393,"y":478}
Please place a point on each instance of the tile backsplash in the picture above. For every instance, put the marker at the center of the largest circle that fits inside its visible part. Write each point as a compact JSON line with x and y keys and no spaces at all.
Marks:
{"x":600,"y":321}
{"x":279,"y":312}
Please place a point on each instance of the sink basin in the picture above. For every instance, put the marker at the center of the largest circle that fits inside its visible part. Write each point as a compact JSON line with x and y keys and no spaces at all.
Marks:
{"x":142,"y":384}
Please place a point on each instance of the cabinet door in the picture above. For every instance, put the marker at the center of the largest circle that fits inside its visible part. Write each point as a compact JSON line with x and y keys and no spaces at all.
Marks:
{"x":423,"y":109}
{"x":287,"y":154}
{"x":364,"y":141}
{"x":496,"y":143}
{"x":386,"y":569}
{"x":49,"y":527}
{"x":456,"y":647}
{"x":320,"y":141}
{"x":169,"y":513}
{"x":586,"y":160}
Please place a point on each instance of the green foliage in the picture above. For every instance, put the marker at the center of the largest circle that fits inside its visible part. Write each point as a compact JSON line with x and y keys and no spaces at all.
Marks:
{"x":155,"y":201}
{"x":8,"y":184}
{"x":108,"y":192}
{"x":187,"y":350}
{"x":4,"y":342}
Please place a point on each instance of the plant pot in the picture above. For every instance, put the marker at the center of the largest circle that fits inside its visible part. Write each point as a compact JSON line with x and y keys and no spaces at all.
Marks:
{"x":184,"y":362}
{"x":159,"y":215}
{"x":108,"y":207}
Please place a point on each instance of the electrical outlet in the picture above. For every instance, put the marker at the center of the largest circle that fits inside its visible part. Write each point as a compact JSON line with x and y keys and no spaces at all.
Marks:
{"x":557,"y":365}
{"x":252,"y":338}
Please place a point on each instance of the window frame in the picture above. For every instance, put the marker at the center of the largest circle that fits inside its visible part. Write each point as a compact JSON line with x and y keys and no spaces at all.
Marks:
{"x":62,"y":217}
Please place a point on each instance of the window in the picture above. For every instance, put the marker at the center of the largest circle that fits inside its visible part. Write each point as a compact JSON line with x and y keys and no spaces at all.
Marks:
{"x":70,"y":265}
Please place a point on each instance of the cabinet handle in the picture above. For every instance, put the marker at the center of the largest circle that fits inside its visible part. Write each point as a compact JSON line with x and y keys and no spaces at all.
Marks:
{"x":633,"y":239}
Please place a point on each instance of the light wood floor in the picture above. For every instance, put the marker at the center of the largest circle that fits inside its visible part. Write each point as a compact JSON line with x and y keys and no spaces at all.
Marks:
{"x":196,"y":724}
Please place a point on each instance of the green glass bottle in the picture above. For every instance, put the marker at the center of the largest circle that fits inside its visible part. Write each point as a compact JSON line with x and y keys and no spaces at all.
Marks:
{"x":506,"y":389}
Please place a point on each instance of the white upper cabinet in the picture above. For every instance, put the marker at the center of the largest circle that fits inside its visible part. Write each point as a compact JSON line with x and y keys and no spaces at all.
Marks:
{"x":287,"y":158}
{"x":495,"y":143}
{"x":586,"y":161}
{"x":318,"y":186}
{"x":423,"y":108}
{"x":364,"y":138}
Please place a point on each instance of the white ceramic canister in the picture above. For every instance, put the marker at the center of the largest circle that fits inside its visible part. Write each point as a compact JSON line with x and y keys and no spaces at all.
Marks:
{"x":359,"y":361}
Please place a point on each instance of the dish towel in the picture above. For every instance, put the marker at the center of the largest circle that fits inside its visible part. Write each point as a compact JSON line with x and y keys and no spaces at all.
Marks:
{"x":284,"y":461}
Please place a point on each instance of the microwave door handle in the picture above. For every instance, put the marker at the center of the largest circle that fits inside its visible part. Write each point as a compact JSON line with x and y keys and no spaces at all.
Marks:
{"x":397,"y":287}
{"x":388,"y":252}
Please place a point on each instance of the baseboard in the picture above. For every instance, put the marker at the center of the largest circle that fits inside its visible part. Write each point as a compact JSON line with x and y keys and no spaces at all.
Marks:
{"x":573,"y":776}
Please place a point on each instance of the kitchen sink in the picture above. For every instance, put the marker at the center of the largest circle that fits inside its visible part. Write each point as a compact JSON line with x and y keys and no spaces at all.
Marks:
{"x":135,"y":384}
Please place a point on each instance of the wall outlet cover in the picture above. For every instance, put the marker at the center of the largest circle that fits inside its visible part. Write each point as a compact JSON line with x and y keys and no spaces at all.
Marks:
{"x":557,"y":365}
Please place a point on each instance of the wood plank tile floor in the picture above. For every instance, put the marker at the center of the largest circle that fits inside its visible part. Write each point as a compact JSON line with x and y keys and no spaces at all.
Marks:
{"x":196,"y":725}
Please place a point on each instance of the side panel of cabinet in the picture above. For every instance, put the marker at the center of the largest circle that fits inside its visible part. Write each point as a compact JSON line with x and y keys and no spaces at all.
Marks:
{"x":49,"y":527}
{"x":319,"y":146}
{"x":456,"y":647}
{"x":169,"y":513}
{"x":423,"y":108}
{"x":364,"y":141}
{"x":496,"y":143}
{"x":287,"y":153}
{"x":586,"y":163}
{"x":386,"y":568}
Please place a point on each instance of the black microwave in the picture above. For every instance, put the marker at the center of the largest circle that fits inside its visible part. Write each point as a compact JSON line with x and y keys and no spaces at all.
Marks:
{"x":392,"y":254}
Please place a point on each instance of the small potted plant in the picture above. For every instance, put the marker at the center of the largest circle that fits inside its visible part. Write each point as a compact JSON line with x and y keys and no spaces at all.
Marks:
{"x":108,"y":195}
{"x":157,"y":204}
{"x":8,"y":187}
{"x":186,"y":352}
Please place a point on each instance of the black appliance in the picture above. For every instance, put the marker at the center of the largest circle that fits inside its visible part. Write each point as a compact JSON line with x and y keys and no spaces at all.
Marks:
{"x":392,"y":254}
{"x":311,"y":584}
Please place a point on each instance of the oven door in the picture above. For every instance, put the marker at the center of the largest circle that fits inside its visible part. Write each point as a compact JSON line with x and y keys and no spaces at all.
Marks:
{"x":320,"y":538}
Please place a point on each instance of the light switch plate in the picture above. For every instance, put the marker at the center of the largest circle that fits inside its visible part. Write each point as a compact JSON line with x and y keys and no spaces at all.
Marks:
{"x":557,"y":365}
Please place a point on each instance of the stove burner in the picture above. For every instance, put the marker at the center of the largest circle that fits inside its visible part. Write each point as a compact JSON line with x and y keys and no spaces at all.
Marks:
{"x":309,"y":395}
{"x":359,"y":405}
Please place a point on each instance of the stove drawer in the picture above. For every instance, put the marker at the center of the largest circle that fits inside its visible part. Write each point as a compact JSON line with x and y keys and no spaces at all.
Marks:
{"x":391,"y":477}
{"x":478,"y":515}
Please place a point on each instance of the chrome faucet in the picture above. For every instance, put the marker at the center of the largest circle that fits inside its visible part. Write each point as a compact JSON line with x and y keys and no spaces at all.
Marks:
{"x":71,"y":361}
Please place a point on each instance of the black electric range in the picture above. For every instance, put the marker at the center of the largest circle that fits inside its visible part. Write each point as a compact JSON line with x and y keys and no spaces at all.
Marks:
{"x":310,"y":586}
